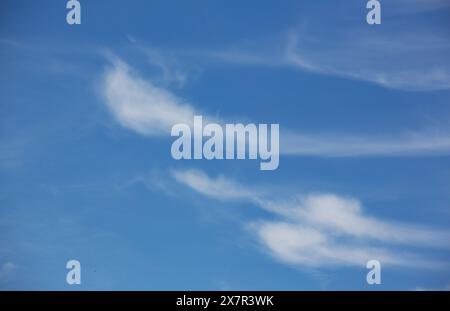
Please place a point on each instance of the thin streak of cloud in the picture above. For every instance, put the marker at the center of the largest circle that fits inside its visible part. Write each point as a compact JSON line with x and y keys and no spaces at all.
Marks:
{"x":171,"y":73}
{"x":322,"y":229}
{"x":297,"y":245}
{"x":219,"y":188}
{"x":345,"y":215}
{"x":424,"y":143}
{"x":149,"y":109}
{"x":398,"y":61}
{"x":399,"y":54}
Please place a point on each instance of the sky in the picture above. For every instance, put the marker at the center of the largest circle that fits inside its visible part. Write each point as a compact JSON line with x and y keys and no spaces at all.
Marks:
{"x":86,"y":171}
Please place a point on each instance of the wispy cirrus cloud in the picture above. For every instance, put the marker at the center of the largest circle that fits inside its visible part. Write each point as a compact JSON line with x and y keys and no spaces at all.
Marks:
{"x":394,"y":60}
{"x":402,"y":53}
{"x":218,"y":188}
{"x":419,"y":143}
{"x":149,"y":109}
{"x":323,"y":229}
{"x":140,"y":105}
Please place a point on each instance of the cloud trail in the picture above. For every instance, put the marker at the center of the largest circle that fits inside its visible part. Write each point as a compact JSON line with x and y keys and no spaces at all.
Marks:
{"x":323,"y":229}
{"x":151,"y":110}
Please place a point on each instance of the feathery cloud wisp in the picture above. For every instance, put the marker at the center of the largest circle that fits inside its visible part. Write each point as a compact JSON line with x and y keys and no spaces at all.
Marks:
{"x":218,"y":188}
{"x":323,"y":229}
{"x":424,"y":143}
{"x":148,"y":109}
{"x":397,"y":61}
{"x":141,"y":106}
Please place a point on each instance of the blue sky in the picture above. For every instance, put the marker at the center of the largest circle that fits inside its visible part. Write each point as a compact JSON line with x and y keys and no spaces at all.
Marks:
{"x":86,"y":171}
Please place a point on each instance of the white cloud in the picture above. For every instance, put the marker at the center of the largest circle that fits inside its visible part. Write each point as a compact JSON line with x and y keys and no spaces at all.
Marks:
{"x":425,"y":143}
{"x":412,"y":59}
{"x":139,"y":105}
{"x":402,"y":61}
{"x":323,"y":229}
{"x":305,"y":246}
{"x":218,"y":188}
{"x":403,"y":53}
{"x":345,"y":216}
{"x":170,"y":69}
